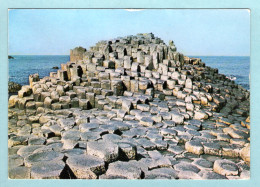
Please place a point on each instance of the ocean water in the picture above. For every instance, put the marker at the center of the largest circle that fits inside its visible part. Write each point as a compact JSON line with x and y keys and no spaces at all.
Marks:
{"x":239,"y":66}
{"x":22,"y":66}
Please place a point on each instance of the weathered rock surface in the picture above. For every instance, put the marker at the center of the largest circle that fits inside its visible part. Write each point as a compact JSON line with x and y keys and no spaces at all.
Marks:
{"x":13,"y":87}
{"x":108,"y":151}
{"x":245,"y":153}
{"x":48,"y":170}
{"x":130,"y":108}
{"x":161,"y":173}
{"x":124,"y":169}
{"x":225,"y":167}
{"x":194,"y":147}
{"x":86,"y":166}
{"x":42,"y":156}
{"x":19,"y":172}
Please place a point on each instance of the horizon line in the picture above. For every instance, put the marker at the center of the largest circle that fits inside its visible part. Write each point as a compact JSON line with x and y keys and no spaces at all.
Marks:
{"x":69,"y":55}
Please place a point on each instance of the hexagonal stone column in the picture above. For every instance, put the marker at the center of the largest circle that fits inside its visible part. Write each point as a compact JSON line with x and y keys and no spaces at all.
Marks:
{"x":42,"y":157}
{"x":105,"y":150}
{"x":124,"y":169}
{"x":225,"y":167}
{"x":48,"y":170}
{"x":86,"y":166}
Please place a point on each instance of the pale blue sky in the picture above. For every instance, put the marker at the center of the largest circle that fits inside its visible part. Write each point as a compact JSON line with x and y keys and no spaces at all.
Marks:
{"x":195,"y":31}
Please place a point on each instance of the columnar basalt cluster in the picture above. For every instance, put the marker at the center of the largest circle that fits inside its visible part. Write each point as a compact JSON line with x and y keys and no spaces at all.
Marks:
{"x":132,"y":108}
{"x":13,"y":87}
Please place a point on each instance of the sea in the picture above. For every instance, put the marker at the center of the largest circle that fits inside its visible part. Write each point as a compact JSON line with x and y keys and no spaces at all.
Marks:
{"x":23,"y":65}
{"x":237,"y":66}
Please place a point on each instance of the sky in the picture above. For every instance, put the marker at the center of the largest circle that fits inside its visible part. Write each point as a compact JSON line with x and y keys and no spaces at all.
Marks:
{"x":195,"y":32}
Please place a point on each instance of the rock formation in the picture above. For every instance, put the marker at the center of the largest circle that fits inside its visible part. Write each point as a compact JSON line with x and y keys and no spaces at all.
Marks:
{"x":131,"y":108}
{"x":13,"y":87}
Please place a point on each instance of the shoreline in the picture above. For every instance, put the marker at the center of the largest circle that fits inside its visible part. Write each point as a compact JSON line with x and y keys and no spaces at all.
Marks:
{"x":245,"y":85}
{"x":137,"y":109}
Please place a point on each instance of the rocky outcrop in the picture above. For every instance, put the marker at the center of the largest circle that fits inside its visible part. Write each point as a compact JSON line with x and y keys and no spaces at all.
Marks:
{"x":130,"y":108}
{"x":13,"y":87}
{"x":77,"y":53}
{"x":245,"y":153}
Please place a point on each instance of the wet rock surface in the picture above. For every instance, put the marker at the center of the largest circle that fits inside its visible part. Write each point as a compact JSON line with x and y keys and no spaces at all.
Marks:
{"x":130,"y":108}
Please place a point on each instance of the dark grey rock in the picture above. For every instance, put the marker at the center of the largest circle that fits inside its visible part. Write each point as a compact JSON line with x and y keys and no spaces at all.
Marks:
{"x":48,"y":170}
{"x":124,"y":169}
{"x":86,"y":166}
{"x":105,"y":150}
{"x":43,"y":156}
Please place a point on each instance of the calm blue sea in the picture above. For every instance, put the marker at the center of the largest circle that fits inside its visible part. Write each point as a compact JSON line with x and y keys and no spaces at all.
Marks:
{"x":22,"y":66}
{"x":239,"y":66}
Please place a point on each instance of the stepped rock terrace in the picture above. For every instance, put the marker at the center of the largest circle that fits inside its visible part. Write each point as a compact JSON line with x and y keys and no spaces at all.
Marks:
{"x":130,"y":108}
